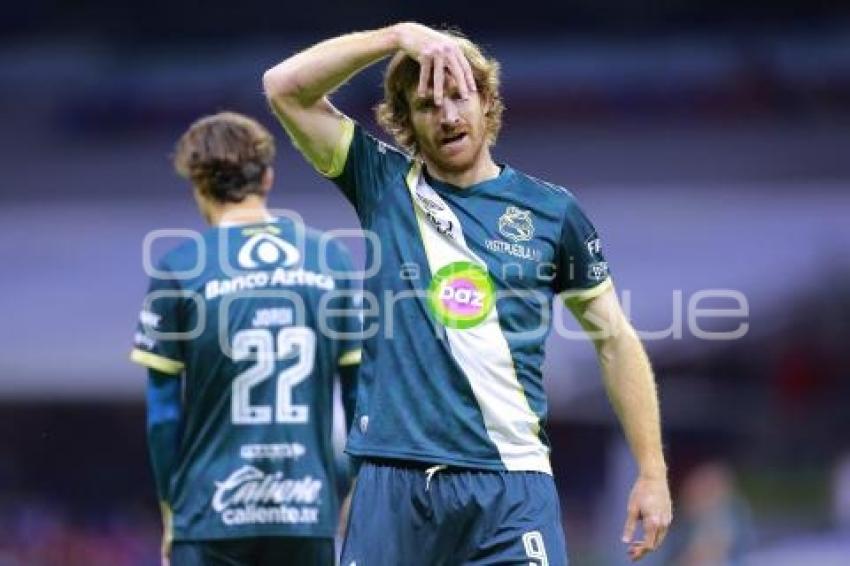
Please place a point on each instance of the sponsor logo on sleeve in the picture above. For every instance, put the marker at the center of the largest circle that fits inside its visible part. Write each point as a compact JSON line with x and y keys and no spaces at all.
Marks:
{"x":594,"y":246}
{"x":149,"y":319}
{"x":597,"y":271}
{"x":142,"y":340}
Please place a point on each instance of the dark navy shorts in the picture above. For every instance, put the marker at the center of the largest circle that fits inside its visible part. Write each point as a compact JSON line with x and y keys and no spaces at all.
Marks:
{"x":404,"y":514}
{"x":259,"y":551}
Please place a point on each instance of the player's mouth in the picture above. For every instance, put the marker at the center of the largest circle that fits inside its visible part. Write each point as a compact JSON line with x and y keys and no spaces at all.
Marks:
{"x":453,"y":140}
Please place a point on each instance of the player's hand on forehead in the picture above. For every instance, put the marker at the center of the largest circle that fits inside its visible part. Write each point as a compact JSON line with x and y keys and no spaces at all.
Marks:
{"x":439,"y":56}
{"x":451,"y":89}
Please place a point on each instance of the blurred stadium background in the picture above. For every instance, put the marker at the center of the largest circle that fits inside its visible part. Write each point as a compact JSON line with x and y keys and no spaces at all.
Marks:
{"x":710,"y":142}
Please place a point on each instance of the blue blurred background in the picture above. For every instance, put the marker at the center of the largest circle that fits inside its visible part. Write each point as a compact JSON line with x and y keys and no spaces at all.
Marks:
{"x":709,"y":141}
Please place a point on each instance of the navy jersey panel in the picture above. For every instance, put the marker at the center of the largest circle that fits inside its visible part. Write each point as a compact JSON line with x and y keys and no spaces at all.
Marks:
{"x":582,"y":264}
{"x":244,"y":323}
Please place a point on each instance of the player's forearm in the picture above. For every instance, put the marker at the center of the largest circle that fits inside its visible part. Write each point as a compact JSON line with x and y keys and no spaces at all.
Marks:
{"x":630,"y":385}
{"x":312,"y":74}
{"x":164,"y":414}
{"x":163,"y":443}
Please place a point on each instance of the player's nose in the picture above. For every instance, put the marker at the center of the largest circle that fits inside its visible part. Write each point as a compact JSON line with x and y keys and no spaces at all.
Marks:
{"x":449,"y":115}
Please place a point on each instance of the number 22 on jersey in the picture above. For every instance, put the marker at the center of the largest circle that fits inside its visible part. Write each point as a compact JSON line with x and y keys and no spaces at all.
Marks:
{"x":265,"y":349}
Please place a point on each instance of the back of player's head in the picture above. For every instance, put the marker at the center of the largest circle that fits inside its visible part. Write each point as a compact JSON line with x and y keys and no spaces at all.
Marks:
{"x":402,"y":77}
{"x":225,"y":156}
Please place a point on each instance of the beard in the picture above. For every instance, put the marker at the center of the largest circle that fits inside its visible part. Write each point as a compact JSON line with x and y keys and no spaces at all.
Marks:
{"x":464,"y":158}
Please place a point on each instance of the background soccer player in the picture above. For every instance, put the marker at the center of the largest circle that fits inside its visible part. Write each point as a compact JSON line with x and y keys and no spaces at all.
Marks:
{"x":451,"y":406}
{"x":242,"y":332}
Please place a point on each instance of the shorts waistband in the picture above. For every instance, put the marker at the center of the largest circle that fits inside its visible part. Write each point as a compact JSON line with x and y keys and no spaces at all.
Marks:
{"x":407,"y":464}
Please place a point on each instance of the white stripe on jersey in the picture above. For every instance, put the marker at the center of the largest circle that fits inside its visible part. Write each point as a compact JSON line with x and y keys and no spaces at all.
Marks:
{"x":481,"y":351}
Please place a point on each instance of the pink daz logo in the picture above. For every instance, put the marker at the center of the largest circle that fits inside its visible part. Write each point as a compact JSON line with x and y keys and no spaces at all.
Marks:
{"x":461,"y":295}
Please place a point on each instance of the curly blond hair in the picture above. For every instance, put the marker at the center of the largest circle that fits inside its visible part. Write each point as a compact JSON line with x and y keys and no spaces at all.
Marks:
{"x":225,"y":155}
{"x":402,"y":74}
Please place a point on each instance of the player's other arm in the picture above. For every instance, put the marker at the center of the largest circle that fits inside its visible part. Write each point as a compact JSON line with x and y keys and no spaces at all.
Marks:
{"x":298,"y":87}
{"x":348,"y":367}
{"x":348,"y":382}
{"x":348,"y":386}
{"x":164,"y":420}
{"x":630,"y":386}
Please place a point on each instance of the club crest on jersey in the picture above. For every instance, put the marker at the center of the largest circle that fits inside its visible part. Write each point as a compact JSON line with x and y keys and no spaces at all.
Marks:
{"x":267,"y":249}
{"x":516,"y":224}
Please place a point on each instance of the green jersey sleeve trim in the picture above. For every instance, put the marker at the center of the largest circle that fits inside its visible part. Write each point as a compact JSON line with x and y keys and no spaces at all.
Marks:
{"x":584,"y":295}
{"x":159,"y":363}
{"x":351,"y":358}
{"x":167,"y":527}
{"x":340,"y":153}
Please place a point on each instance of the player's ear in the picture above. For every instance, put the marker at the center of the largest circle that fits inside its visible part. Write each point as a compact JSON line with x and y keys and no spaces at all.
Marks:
{"x":486,"y":102}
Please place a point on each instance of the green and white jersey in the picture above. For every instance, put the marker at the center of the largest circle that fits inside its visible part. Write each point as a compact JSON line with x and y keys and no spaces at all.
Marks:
{"x":256,"y":320}
{"x":459,"y":307}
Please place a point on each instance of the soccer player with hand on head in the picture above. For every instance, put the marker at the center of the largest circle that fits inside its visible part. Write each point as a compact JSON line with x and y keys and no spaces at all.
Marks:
{"x":450,"y":406}
{"x":243,"y":329}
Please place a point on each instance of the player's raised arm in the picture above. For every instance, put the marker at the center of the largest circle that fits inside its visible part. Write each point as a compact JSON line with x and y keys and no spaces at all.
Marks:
{"x":297,"y":88}
{"x":631,"y":388}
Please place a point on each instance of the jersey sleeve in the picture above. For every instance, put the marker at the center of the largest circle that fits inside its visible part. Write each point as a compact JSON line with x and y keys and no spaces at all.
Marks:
{"x":582,"y":271}
{"x":156,"y":344}
{"x":363,"y":167}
